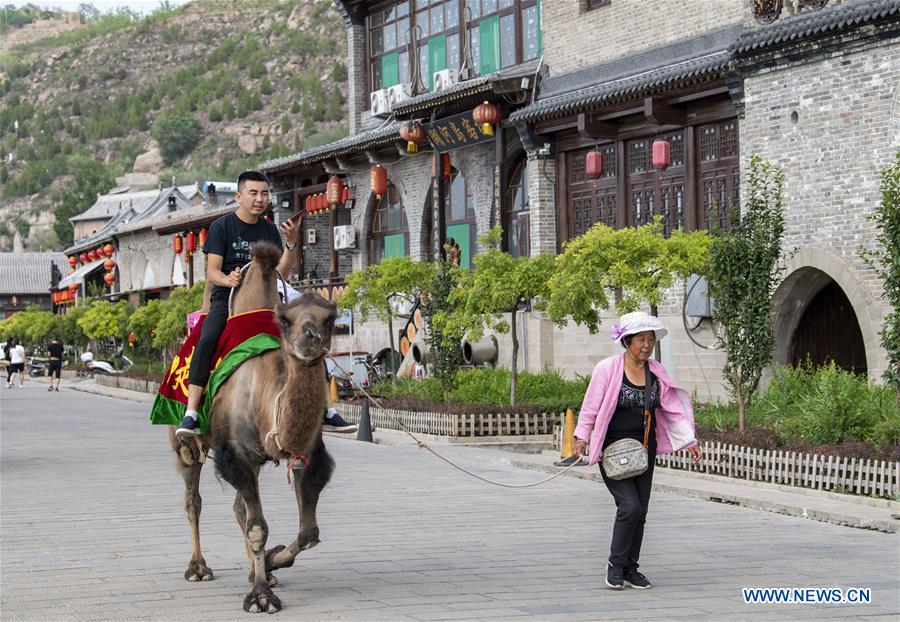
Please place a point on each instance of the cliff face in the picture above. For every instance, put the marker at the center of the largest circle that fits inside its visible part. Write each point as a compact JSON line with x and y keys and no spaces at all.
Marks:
{"x":92,"y":105}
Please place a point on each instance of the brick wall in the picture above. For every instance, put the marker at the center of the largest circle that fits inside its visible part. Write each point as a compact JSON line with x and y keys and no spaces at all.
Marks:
{"x":542,"y":205}
{"x":830,"y":125}
{"x":574,"y":37}
{"x":357,"y":91}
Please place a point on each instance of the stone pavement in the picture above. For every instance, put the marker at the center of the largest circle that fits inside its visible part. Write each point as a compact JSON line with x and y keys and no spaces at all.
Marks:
{"x":93,"y":529}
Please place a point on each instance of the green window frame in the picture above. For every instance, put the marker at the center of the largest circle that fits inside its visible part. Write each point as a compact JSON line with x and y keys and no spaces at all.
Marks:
{"x":390,"y":69}
{"x":437,"y":57}
{"x":489,"y":40}
{"x":394,"y":245}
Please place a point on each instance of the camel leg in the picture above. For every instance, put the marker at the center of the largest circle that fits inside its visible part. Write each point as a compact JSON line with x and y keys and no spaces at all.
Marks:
{"x":308,"y":485}
{"x":245,"y":479}
{"x":240,"y":513}
{"x":197,"y":569}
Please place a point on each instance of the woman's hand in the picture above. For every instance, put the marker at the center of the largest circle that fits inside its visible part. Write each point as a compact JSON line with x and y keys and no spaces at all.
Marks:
{"x":696,"y":453}
{"x":578,"y":451}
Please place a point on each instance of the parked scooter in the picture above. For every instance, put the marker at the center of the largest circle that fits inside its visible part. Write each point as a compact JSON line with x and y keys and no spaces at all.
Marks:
{"x":105,"y":368}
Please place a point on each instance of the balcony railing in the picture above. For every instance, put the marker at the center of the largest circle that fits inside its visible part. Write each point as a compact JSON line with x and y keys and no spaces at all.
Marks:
{"x":767,"y":11}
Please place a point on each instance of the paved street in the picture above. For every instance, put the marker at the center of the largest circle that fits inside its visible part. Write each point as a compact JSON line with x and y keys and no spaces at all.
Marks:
{"x":93,"y":529}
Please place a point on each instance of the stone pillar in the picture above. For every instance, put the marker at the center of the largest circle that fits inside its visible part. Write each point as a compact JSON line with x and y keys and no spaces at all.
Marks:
{"x":542,"y":205}
{"x":357,"y":89}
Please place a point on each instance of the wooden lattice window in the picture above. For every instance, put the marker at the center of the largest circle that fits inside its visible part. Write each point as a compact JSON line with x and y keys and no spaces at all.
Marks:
{"x":719,"y":186}
{"x":591,"y":200}
{"x":652,"y":192}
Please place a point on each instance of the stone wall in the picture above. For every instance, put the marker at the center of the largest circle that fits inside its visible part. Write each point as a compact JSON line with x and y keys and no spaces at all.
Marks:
{"x":575,"y":37}
{"x":830,"y":125}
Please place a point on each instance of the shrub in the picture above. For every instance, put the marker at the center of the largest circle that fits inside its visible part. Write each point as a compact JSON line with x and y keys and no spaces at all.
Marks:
{"x":177,"y":134}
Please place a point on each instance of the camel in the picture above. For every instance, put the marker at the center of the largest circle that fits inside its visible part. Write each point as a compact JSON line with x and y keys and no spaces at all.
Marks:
{"x":269,"y":409}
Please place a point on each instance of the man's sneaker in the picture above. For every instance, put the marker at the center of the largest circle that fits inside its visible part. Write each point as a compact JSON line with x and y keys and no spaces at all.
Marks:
{"x":188,"y":427}
{"x":49,"y":388}
{"x":336,"y":423}
{"x":636,"y":580}
{"x":615,"y":577}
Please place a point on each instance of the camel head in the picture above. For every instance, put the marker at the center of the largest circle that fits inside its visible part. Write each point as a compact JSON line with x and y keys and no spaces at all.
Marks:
{"x":306,"y":325}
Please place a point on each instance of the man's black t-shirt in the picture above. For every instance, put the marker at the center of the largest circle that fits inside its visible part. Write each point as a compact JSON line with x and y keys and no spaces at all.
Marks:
{"x":55,"y":350}
{"x":231,"y":237}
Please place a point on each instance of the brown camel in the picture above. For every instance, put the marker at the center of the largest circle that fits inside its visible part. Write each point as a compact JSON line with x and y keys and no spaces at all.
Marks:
{"x":270,"y":408}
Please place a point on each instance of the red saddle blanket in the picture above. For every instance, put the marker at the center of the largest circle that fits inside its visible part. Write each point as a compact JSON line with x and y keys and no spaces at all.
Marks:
{"x":246,"y":335}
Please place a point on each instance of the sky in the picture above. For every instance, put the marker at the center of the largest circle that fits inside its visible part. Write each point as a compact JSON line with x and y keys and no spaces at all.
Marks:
{"x":140,"y":6}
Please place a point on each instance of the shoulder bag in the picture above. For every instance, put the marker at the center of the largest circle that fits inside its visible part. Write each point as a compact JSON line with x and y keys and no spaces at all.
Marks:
{"x":628,"y":457}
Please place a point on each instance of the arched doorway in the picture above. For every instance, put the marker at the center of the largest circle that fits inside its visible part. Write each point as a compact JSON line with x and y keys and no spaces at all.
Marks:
{"x":829,"y":331}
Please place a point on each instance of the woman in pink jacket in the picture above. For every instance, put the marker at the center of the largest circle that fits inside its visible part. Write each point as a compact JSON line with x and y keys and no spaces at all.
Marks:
{"x":613,"y":409}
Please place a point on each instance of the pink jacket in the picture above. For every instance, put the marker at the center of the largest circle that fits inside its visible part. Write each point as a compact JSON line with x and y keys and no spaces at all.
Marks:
{"x":674,"y":416}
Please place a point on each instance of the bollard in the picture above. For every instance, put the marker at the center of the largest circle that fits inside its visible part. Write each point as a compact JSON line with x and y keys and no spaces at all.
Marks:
{"x":332,"y":390}
{"x":568,"y":442}
{"x":364,"y":433}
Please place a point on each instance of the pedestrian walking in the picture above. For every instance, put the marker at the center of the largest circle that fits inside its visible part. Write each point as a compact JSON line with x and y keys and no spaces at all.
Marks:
{"x":16,"y":364}
{"x":7,"y":363}
{"x":622,"y":388}
{"x":54,"y":366}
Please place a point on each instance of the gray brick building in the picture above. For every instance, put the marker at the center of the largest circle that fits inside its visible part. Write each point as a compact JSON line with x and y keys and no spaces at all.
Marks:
{"x":812,"y":87}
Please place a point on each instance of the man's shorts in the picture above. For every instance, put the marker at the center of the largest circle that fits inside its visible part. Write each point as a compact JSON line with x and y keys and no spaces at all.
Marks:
{"x":54,"y":367}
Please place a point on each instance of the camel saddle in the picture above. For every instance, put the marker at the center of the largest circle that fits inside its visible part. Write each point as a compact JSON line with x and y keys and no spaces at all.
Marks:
{"x":246,"y":335}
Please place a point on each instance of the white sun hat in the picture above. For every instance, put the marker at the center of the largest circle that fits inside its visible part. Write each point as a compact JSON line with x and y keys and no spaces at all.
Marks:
{"x":638,"y":322}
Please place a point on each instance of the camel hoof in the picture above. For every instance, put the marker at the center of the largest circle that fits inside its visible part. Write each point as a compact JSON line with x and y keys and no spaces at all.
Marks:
{"x":259,"y":601}
{"x":198,"y":571}
{"x":271,"y":579}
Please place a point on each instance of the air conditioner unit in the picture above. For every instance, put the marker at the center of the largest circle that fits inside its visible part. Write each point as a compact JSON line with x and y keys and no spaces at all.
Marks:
{"x":445,"y":78}
{"x":381,"y":103}
{"x":399,"y":92}
{"x":344,"y":237}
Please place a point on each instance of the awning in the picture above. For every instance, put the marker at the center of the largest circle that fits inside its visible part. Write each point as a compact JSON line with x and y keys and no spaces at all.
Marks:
{"x":80,"y":273}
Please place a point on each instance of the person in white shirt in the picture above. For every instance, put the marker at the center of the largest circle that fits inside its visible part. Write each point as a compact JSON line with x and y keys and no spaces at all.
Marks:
{"x":16,"y":364}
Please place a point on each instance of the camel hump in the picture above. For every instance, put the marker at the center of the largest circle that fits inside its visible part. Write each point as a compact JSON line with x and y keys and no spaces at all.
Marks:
{"x":266,"y":255}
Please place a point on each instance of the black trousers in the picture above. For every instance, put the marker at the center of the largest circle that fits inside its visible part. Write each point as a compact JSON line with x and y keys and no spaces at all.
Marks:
{"x":632,"y":498}
{"x":210,"y":332}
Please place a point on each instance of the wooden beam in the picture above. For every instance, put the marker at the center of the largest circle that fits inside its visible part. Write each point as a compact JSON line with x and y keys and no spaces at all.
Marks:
{"x":589,"y":125}
{"x":656,"y":111}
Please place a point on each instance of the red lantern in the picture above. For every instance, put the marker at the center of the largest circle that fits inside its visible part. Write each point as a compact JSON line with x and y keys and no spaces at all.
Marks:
{"x":191,"y":242}
{"x":72,"y":261}
{"x":99,"y":252}
{"x":74,"y":287}
{"x":593,"y":164}
{"x":83,"y":258}
{"x":109,"y":278}
{"x":109,"y":264}
{"x":487,"y":115}
{"x":379,"y":180}
{"x":320,"y":202}
{"x":202,"y":238}
{"x":109,"y":249}
{"x":335,"y":191}
{"x":92,"y":255}
{"x":177,"y":244}
{"x":662,"y":154}
{"x":414,"y":135}
{"x":308,"y":203}
{"x":131,"y":339}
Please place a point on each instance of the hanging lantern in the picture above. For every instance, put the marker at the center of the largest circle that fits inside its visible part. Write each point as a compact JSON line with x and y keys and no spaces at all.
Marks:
{"x":99,"y":252}
{"x":202,"y":238}
{"x":92,"y":255}
{"x":131,"y":339}
{"x":662,"y":154}
{"x":487,"y":115}
{"x":335,"y":190}
{"x":177,"y":244}
{"x":109,"y":278}
{"x":72,"y":261}
{"x":593,"y":163}
{"x":191,"y":242}
{"x":308,"y":203}
{"x":74,"y":287}
{"x":109,"y":249}
{"x":83,"y":258}
{"x":321,"y":202}
{"x":109,"y":264}
{"x":379,"y":180}
{"x":414,"y":135}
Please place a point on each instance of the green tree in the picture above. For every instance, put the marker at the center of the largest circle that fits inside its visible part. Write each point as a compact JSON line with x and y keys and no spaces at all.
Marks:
{"x":105,"y":320}
{"x":67,"y":327}
{"x":640,"y":262}
{"x":143,"y":324}
{"x":339,"y":72}
{"x":498,"y":284}
{"x":378,"y":288}
{"x":76,"y":108}
{"x":442,"y":336}
{"x":228,"y":110}
{"x":173,"y":317}
{"x":885,"y":260}
{"x":215,"y":114}
{"x":745,"y":265}
{"x":32,"y":325}
{"x":265,"y":87}
{"x":335,"y":101}
{"x":285,"y":124}
{"x":92,"y":177}
{"x":177,"y":134}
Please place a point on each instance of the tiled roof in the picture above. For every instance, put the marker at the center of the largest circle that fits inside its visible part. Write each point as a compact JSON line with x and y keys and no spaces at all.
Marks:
{"x":199,"y":215}
{"x":108,"y":205}
{"x":629,"y":87}
{"x":380,"y":136}
{"x":29,"y":273}
{"x":818,"y":23}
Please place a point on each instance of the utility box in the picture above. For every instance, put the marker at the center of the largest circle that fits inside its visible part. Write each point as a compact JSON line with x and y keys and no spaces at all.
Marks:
{"x":344,"y":237}
{"x":699,"y":304}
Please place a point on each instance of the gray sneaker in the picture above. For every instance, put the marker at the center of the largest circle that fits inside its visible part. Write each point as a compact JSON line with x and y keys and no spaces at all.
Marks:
{"x":336,"y":423}
{"x":188,"y":427}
